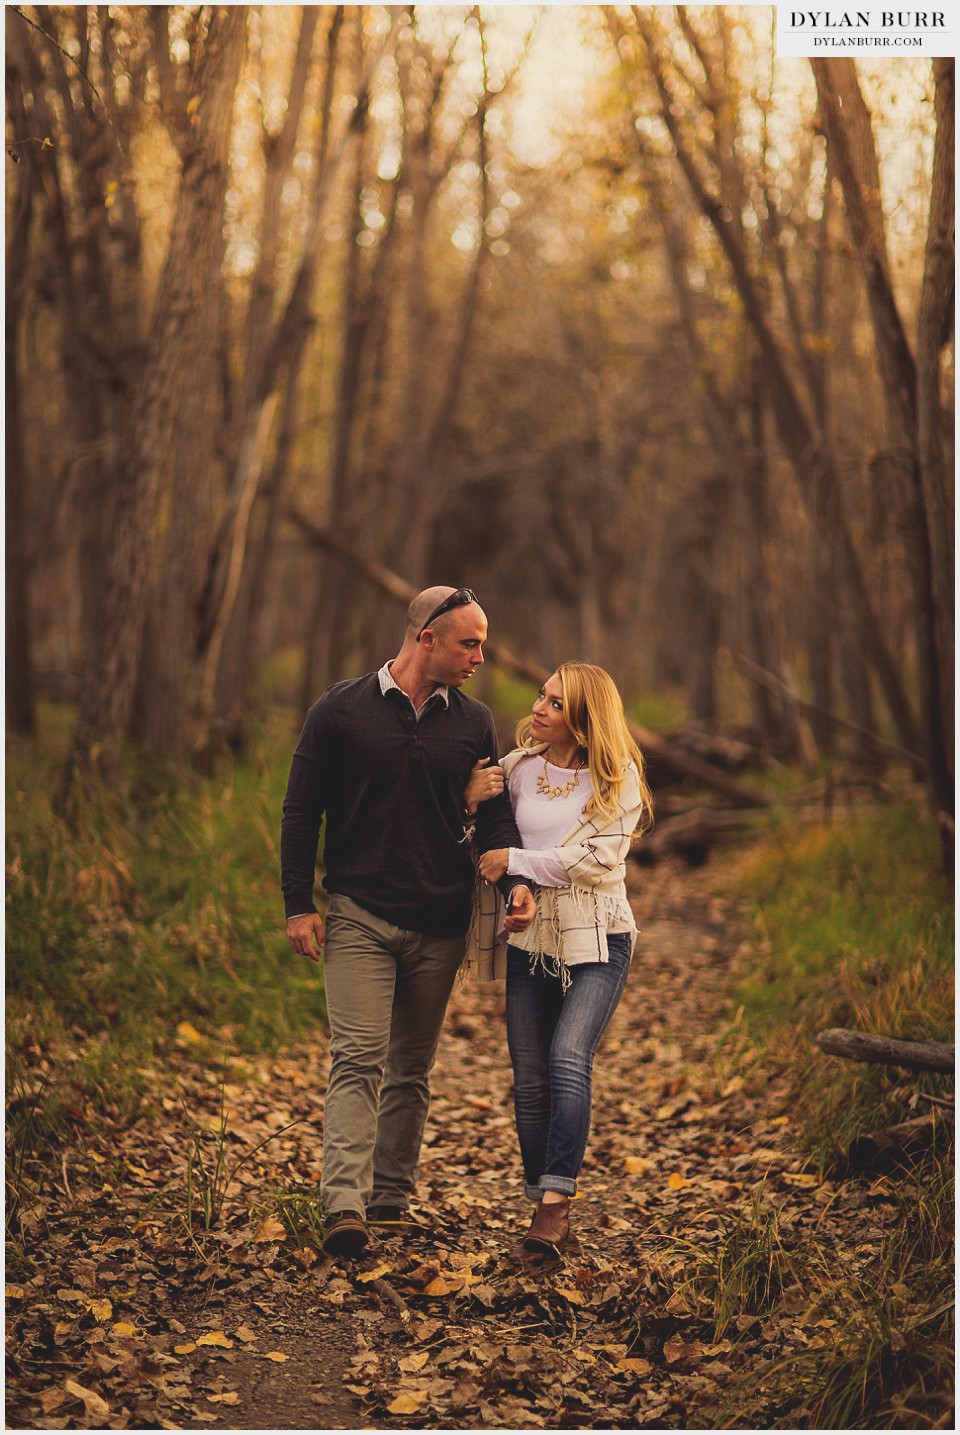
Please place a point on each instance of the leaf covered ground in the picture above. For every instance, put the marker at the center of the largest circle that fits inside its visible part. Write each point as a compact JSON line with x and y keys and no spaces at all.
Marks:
{"x":715,"y":1265}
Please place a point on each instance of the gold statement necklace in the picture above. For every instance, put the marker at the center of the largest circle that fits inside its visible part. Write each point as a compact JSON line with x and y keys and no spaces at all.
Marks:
{"x":545,"y":786}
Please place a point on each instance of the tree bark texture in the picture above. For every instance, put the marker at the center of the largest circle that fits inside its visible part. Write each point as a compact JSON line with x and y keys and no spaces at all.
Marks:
{"x":109,"y":681}
{"x":21,"y":715}
{"x":934,"y":328}
{"x":853,"y":153}
{"x":819,"y":484}
{"x":887,"y":1050}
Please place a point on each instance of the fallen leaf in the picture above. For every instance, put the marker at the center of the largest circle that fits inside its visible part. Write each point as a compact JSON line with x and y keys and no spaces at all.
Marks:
{"x":187,"y":1032}
{"x":571,"y":1294}
{"x":270,"y":1229}
{"x":275,"y":1355}
{"x":676,"y":1182}
{"x":414,"y":1362}
{"x":637,"y":1165}
{"x":123,"y":1328}
{"x":244,"y":1333}
{"x":93,"y":1404}
{"x":229,"y":1397}
{"x":101,"y":1310}
{"x":185,"y":1349}
{"x":405,"y":1404}
{"x":215,"y":1337}
{"x":376,"y":1273}
{"x":634,"y":1365}
{"x":13,"y":1292}
{"x":800,"y":1178}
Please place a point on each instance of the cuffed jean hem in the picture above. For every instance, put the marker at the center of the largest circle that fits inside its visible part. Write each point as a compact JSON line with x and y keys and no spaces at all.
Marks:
{"x":563,"y":1185}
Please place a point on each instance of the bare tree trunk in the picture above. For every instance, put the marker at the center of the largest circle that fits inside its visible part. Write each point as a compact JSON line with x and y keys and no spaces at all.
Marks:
{"x":20,"y":705}
{"x":109,"y":683}
{"x":286,"y":336}
{"x":850,"y":136}
{"x":935,"y":323}
{"x":818,"y":481}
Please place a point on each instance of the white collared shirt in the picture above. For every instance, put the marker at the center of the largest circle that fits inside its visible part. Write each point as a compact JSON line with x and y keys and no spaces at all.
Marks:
{"x":387,"y":682}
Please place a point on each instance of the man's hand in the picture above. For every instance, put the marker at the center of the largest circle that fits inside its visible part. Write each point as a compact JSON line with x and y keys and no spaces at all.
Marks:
{"x":305,"y":935}
{"x":485,"y":782}
{"x":522,"y":911}
{"x":493,"y":864}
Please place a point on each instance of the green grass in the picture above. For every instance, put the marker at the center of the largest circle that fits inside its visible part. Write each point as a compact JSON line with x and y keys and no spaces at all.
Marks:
{"x":150,"y":909}
{"x":852,"y":927}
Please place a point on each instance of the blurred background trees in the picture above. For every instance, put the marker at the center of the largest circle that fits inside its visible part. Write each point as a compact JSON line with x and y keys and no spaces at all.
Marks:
{"x":645,"y":336}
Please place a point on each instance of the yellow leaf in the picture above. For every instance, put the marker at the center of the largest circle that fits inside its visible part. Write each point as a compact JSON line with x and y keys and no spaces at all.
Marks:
{"x":406,"y":1404}
{"x":376,"y":1273}
{"x":215,"y":1337}
{"x":101,"y":1310}
{"x":276,"y":1355}
{"x":93,"y":1403}
{"x":193,"y":104}
{"x":185,"y":1349}
{"x":186,"y":1031}
{"x":229,"y":1397}
{"x":270,"y":1229}
{"x":14,"y":1292}
{"x":676,"y":1182}
{"x":800,"y":1178}
{"x":637,"y":1165}
{"x":439,"y":1286}
{"x":414,"y":1362}
{"x":123,"y":1328}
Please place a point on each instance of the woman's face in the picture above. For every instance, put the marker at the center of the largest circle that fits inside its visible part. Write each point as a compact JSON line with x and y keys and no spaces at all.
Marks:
{"x":548,"y":723}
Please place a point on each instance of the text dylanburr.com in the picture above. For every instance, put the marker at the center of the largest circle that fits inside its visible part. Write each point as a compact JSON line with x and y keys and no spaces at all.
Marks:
{"x":804,"y":33}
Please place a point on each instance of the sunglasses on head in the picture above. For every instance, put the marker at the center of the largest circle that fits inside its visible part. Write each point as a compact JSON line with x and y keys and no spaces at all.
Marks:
{"x":459,"y":599}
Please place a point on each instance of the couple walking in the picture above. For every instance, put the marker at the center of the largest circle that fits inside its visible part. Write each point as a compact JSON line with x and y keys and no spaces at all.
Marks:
{"x":435,"y":854}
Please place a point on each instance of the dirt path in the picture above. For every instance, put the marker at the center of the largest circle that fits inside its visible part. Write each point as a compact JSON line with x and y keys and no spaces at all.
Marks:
{"x":118,"y":1317}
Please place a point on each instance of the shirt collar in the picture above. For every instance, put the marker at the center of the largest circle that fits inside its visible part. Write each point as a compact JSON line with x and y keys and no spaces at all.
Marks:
{"x":387,"y":683}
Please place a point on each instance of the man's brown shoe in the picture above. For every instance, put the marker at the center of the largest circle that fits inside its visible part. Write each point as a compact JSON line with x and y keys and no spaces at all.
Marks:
{"x":550,"y":1229}
{"x":345,"y":1234}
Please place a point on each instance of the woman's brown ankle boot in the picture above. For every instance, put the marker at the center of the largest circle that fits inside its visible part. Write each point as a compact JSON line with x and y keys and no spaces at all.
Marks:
{"x":550,"y":1229}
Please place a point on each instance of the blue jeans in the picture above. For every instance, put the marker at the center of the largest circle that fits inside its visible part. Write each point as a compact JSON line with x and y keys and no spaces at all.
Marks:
{"x":553,"y":1035}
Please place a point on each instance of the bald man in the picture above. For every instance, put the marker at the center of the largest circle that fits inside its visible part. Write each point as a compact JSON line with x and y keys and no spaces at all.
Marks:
{"x":385,"y":759}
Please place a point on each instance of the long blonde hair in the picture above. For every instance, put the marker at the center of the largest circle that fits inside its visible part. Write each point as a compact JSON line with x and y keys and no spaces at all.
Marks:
{"x":593,"y":711}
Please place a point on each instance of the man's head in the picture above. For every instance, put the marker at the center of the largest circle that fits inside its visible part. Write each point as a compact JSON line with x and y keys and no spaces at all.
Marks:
{"x":449,"y":629}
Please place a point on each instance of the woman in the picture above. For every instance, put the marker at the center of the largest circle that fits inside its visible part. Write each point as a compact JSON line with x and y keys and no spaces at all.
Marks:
{"x":577,"y":786}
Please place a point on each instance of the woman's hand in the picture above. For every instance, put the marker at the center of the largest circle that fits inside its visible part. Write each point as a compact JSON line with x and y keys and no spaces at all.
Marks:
{"x":493,"y":864}
{"x":485,"y":782}
{"x":522,"y":911}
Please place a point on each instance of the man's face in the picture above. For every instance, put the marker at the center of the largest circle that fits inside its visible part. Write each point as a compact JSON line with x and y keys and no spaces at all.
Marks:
{"x":456,"y":651}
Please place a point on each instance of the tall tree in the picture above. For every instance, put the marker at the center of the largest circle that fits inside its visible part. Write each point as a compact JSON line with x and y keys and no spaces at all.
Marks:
{"x":853,"y":150}
{"x":110,"y":675}
{"x":20,"y":705}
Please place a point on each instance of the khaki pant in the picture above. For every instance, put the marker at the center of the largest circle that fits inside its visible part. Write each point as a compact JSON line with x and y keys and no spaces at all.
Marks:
{"x":387,"y":992}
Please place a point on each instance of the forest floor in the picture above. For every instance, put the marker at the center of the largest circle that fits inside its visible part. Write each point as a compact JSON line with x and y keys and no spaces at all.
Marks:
{"x":712,"y":1259}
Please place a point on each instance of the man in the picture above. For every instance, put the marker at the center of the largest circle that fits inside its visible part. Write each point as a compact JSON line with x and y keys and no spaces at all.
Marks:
{"x":386,"y":759}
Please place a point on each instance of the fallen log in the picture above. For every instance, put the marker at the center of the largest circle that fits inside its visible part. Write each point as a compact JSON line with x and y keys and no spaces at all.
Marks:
{"x":650,"y":742}
{"x":766,"y":679}
{"x":896,"y":1145}
{"x":886,"y":1050}
{"x":690,"y":834}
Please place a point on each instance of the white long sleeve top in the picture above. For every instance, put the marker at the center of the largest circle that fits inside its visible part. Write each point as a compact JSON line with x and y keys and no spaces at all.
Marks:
{"x":585,"y":858}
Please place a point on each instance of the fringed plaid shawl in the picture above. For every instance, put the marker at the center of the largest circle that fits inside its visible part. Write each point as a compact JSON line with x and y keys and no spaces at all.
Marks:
{"x":571,"y":922}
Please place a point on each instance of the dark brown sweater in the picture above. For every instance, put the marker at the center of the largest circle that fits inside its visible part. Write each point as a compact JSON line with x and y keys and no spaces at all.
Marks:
{"x":391,"y":788}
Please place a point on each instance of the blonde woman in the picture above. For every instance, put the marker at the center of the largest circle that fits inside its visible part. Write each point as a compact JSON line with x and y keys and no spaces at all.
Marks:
{"x":577,"y":786}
